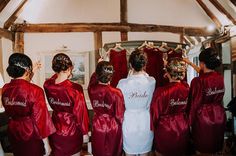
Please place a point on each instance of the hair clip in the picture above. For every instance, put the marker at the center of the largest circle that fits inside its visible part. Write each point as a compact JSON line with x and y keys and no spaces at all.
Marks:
{"x":110,"y":71}
{"x":21,"y":66}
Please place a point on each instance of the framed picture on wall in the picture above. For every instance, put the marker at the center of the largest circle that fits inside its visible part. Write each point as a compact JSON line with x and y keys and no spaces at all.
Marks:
{"x":80,"y":72}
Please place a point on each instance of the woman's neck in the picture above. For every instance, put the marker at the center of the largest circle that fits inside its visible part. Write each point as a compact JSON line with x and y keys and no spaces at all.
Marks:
{"x":104,"y":83}
{"x":61,"y":77}
{"x":24,"y":77}
{"x":172,"y":80}
{"x":208,"y":70}
{"x":137,"y":72}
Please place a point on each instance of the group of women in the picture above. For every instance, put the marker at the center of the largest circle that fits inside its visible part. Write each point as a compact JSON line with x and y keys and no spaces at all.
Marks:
{"x":135,"y":116}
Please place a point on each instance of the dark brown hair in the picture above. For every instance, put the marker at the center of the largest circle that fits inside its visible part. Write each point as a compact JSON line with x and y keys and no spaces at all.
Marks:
{"x":210,"y":58}
{"x":138,"y":60}
{"x":104,"y":71}
{"x":18,"y":63}
{"x":61,"y":62}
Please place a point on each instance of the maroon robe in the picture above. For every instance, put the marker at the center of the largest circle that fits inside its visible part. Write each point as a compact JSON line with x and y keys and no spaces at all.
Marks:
{"x":70,"y":116}
{"x":173,"y":54}
{"x":155,"y":65}
{"x":119,"y":62}
{"x":206,"y":113}
{"x":169,"y":119}
{"x":108,"y":106}
{"x":30,"y":120}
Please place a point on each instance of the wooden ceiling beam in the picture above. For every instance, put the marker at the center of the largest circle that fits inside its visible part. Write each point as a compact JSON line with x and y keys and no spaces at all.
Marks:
{"x":123,"y":11}
{"x":15,"y":15}
{"x":6,"y":34}
{"x":94,"y":27}
{"x":209,"y":13}
{"x":3,"y":4}
{"x":223,"y":11}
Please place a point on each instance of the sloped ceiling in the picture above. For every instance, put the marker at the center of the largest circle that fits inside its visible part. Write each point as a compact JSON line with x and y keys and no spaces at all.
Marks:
{"x":161,"y":12}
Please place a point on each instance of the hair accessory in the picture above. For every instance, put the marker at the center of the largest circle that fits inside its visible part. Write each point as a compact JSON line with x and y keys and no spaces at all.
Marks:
{"x":110,"y":71}
{"x":21,"y":66}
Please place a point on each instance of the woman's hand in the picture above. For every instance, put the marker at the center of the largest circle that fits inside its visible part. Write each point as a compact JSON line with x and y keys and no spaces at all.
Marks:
{"x":47,"y":147}
{"x":37,"y":65}
{"x":100,"y":59}
{"x":85,"y":138}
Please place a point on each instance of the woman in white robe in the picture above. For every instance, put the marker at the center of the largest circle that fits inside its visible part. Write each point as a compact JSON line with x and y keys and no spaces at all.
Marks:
{"x":137,"y":89}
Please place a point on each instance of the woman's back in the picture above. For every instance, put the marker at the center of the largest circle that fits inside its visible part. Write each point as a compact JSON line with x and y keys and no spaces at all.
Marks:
{"x":137,"y":91}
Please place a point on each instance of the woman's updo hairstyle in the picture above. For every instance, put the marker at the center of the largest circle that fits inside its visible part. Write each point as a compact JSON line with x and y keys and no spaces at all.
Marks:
{"x":104,"y":71}
{"x":61,"y":62}
{"x":176,"y":67}
{"x":18,"y":63}
{"x":138,"y":60}
{"x":210,"y":58}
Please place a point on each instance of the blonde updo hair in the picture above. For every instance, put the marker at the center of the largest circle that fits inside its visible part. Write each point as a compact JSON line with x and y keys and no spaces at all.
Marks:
{"x":176,"y":67}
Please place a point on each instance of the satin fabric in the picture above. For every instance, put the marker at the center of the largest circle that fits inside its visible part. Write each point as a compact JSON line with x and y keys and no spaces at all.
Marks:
{"x":70,"y":116}
{"x":169,"y":119}
{"x":206,"y":113}
{"x":137,"y":91}
{"x":119,"y":62}
{"x":155,"y":65}
{"x":30,"y":120}
{"x":108,"y":106}
{"x":173,"y":54}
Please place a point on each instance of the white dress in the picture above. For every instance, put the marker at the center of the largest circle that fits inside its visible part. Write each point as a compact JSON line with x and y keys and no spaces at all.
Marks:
{"x":137,"y":91}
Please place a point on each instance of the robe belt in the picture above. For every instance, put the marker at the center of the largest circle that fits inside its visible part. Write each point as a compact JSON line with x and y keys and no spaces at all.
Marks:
{"x":136,"y":110}
{"x":23,"y":118}
{"x":103,"y":115}
{"x":174,"y":114}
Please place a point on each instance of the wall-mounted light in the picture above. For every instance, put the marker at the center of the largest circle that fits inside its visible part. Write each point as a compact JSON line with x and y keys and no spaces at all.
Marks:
{"x":211,"y":28}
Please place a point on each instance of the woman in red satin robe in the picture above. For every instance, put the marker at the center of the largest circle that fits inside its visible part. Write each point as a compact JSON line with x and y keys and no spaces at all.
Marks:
{"x":206,"y":113}
{"x":108,"y":106}
{"x":168,"y":112}
{"x":30,"y":123}
{"x":70,"y":115}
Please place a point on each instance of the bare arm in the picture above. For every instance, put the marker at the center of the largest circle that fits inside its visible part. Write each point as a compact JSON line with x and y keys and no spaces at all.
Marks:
{"x":195,"y":67}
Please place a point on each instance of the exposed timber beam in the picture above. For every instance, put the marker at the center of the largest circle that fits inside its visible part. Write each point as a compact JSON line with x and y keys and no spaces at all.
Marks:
{"x":3,"y":4}
{"x":95,"y":27}
{"x":223,"y":11}
{"x":15,"y":15}
{"x":123,"y":11}
{"x":209,"y":13}
{"x":6,"y":34}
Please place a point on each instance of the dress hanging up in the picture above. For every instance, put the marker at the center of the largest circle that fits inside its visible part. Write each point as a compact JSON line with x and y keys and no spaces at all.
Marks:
{"x":119,"y":62}
{"x":155,"y":65}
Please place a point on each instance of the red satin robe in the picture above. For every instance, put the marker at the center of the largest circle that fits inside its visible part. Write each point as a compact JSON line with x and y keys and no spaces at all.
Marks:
{"x":70,"y":116}
{"x":30,"y":120}
{"x":155,"y":65}
{"x":169,"y":119}
{"x":206,"y":113}
{"x":119,"y":61}
{"x":108,"y":106}
{"x":172,"y":54}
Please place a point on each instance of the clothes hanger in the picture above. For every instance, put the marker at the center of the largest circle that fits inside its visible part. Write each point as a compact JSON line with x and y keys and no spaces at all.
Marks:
{"x":179,"y":47}
{"x":151,"y":45}
{"x":164,"y":47}
{"x":118,"y":46}
{"x":145,"y":44}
